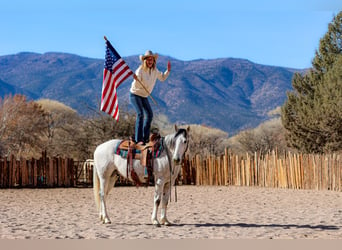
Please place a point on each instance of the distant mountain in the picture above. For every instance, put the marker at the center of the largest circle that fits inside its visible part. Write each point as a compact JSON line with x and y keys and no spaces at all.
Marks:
{"x":226,"y":93}
{"x":8,"y":89}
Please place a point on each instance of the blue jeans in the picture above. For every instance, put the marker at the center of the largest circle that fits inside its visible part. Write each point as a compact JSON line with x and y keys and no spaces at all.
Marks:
{"x":144,"y":117}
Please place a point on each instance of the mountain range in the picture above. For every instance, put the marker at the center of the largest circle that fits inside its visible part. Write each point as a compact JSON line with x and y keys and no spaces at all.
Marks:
{"x":227,"y":93}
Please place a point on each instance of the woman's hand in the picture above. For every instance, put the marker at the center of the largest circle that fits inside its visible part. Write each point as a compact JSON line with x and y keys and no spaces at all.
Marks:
{"x":168,"y":66}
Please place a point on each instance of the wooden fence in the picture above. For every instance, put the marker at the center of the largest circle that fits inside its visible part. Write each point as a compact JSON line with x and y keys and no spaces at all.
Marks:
{"x":47,"y":172}
{"x":43,"y":172}
{"x":293,"y":171}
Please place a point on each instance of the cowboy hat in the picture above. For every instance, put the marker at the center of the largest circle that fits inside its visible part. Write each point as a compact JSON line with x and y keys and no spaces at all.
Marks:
{"x":148,"y":53}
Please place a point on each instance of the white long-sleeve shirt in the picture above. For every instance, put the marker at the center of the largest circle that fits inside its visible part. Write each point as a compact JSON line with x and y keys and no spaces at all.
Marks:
{"x":148,"y":78}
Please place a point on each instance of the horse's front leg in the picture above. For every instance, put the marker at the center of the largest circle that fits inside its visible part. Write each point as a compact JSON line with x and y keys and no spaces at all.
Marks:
{"x":103,"y":210}
{"x":164,"y":203}
{"x":157,"y":199}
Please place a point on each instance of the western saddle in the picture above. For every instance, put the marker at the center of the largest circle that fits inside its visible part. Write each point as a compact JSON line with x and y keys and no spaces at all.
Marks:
{"x":145,"y":153}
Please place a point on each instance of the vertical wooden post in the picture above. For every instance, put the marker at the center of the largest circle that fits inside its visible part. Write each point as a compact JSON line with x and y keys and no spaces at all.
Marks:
{"x":199,"y":171}
{"x":218,"y":170}
{"x":238,"y":171}
{"x":290,"y":170}
{"x":255,"y":166}
{"x":205,"y":171}
{"x":225,"y":167}
{"x":193,"y":162}
{"x":50,"y":175}
{"x":214,"y":167}
{"x":260,"y":166}
{"x":248,"y":170}
{"x":210,"y":171}
{"x":10,"y":172}
{"x":71,"y":173}
{"x":35,"y":172}
{"x":66,"y":172}
{"x":24,"y":172}
{"x":6,"y":173}
{"x":1,"y":172}
{"x":339,"y":173}
{"x":59,"y":172}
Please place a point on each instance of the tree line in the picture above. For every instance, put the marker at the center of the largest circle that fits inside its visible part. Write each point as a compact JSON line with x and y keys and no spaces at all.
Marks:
{"x":28,"y":128}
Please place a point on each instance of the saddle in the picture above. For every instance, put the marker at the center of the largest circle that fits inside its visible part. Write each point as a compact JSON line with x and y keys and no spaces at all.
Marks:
{"x":139,"y":152}
{"x":135,"y":151}
{"x":130,"y":150}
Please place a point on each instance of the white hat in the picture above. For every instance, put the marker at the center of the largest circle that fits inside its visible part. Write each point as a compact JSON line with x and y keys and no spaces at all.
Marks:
{"x":148,"y":53}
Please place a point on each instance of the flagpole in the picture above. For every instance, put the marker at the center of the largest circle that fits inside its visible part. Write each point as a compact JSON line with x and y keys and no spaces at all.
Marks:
{"x":146,"y":91}
{"x":137,"y":79}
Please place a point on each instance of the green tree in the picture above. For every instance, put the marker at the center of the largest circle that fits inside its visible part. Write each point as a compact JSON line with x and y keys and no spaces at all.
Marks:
{"x":311,"y":115}
{"x":329,"y":107}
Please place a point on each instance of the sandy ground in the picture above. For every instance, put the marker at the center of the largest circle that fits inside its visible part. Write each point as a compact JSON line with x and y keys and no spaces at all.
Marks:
{"x":200,"y":213}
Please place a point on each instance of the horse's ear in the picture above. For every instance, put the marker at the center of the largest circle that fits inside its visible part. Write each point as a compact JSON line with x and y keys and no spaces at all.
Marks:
{"x":176,"y":128}
{"x":188,"y":129}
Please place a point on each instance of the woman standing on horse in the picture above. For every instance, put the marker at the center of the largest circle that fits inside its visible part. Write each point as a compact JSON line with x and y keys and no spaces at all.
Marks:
{"x":145,"y":78}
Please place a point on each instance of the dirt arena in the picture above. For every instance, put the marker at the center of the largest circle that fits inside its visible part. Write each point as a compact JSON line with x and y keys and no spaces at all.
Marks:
{"x":201,"y":212}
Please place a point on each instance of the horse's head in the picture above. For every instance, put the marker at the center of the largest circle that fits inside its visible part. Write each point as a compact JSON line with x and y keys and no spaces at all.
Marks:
{"x":180,"y":142}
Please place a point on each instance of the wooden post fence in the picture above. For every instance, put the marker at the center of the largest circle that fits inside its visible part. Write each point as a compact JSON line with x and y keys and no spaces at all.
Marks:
{"x":43,"y":172}
{"x":294,"y":171}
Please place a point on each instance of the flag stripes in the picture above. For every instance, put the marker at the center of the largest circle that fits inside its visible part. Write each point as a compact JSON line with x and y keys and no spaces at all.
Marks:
{"x":115,"y":72}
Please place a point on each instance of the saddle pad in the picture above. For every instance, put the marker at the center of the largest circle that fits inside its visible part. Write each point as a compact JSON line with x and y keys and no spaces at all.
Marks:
{"x":123,"y":153}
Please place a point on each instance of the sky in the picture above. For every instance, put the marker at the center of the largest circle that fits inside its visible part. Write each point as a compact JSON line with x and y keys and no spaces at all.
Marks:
{"x":269,"y":32}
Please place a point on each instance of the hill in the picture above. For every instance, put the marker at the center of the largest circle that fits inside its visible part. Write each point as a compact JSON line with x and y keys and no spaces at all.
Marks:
{"x":226,"y":93}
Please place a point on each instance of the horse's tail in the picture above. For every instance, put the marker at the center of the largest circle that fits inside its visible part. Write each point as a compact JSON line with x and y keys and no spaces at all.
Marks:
{"x":96,"y":187}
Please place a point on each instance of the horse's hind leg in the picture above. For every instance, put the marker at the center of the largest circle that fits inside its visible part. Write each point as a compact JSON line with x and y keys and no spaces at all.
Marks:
{"x":164,"y":203}
{"x":106,"y":185}
{"x":110,"y":184}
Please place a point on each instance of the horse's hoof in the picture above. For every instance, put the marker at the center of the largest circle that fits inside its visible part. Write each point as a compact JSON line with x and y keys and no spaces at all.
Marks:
{"x":155,"y":223}
{"x":106,"y":221}
{"x":165,"y":222}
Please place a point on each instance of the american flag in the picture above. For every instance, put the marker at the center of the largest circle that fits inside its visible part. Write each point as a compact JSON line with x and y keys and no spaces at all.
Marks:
{"x":114,"y":73}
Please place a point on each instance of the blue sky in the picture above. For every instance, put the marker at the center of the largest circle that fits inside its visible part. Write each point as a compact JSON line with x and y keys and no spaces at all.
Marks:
{"x":270,"y":32}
